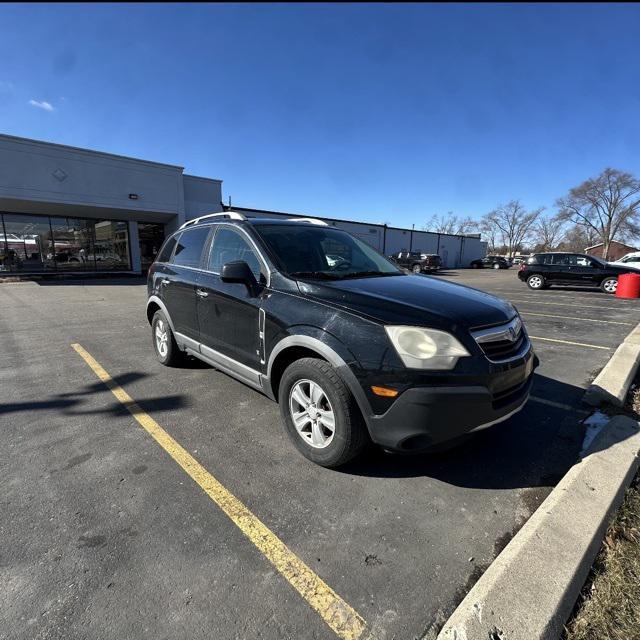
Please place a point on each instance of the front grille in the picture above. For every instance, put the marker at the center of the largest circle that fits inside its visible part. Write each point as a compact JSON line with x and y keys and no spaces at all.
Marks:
{"x":502,"y":349}
{"x":504,"y":342}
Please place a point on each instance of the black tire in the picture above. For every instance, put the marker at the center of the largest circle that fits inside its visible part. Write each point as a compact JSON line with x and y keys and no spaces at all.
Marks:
{"x":608,"y":286}
{"x":416,"y":268}
{"x":173,"y":356}
{"x":350,"y":435}
{"x":475,"y":265}
{"x":536,"y":282}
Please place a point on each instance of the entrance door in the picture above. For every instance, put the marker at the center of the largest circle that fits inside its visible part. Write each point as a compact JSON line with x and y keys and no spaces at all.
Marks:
{"x":150,"y":237}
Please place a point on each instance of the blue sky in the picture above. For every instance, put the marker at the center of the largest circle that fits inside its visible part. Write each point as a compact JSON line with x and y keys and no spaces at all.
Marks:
{"x":374,"y":112}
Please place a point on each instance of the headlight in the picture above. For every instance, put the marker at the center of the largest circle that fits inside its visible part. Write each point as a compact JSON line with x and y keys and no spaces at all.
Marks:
{"x":421,"y":348}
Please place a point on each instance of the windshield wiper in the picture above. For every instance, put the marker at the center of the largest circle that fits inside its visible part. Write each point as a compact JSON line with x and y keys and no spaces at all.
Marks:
{"x":365,"y":274}
{"x":316,"y":275}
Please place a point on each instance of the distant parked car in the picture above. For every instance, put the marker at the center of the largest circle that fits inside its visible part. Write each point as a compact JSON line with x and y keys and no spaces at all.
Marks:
{"x":416,"y":261}
{"x":577,"y":269}
{"x":519,"y":259}
{"x":490,"y":262}
{"x":631,"y":260}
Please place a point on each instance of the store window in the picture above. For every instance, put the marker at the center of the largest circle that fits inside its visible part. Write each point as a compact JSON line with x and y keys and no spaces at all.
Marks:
{"x":37,"y":244}
{"x":73,"y":242}
{"x":27,"y":243}
{"x":112,"y":246}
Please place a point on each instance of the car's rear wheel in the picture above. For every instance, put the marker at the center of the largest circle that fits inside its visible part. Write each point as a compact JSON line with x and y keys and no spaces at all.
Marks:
{"x":416,"y":268}
{"x":535,"y":281}
{"x":496,"y":265}
{"x":609,"y":285}
{"x":475,"y":265}
{"x":320,"y":414}
{"x":164,"y":343}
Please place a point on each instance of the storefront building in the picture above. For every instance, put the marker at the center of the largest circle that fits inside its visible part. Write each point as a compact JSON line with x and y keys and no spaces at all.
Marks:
{"x":64,"y":209}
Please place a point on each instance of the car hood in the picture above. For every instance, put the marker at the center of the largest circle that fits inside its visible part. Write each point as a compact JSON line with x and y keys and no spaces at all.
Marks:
{"x":413,"y":300}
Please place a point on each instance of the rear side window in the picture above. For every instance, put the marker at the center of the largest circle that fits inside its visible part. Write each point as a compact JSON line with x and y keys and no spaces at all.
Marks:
{"x":167,"y":250}
{"x":540,"y":258}
{"x":190,"y":246}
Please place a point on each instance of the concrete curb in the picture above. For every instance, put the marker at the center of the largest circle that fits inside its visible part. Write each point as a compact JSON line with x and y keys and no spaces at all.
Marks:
{"x":613,"y":382}
{"x":530,"y":589}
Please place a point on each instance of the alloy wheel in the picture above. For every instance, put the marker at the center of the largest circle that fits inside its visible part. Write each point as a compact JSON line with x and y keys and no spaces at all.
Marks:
{"x":162,"y":338}
{"x":312,"y":413}
{"x":535,"y":282}
{"x":610,"y":286}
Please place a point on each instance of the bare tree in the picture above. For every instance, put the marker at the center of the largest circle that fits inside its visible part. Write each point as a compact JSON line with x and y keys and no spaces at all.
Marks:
{"x":577,"y":238}
{"x":512,"y":223}
{"x":608,"y":204}
{"x":450,"y":223}
{"x":548,"y":232}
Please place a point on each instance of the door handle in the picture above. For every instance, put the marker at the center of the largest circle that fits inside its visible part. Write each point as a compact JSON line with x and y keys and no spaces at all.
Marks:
{"x":202,"y":293}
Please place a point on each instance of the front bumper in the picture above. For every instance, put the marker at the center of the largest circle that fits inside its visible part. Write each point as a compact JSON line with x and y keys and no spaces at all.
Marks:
{"x":426,"y":416}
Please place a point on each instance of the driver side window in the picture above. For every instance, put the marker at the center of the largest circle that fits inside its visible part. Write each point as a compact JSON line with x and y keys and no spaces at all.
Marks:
{"x":229,"y":246}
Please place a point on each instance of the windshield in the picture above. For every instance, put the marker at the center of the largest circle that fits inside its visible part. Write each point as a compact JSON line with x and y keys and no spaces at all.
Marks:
{"x":323,"y":253}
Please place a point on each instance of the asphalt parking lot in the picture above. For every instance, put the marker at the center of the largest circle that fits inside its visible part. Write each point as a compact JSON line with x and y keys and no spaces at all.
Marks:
{"x":104,"y":535}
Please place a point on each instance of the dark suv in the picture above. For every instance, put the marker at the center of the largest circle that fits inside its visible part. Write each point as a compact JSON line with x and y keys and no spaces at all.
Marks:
{"x":353,"y":349}
{"x":544,"y":269}
{"x":416,"y":261}
{"x":490,"y":262}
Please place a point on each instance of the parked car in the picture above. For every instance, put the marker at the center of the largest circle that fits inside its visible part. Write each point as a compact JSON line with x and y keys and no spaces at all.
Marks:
{"x":416,"y":261}
{"x":545,"y":269}
{"x":519,"y":259}
{"x":363,"y":352}
{"x":630,"y":261}
{"x":490,"y":262}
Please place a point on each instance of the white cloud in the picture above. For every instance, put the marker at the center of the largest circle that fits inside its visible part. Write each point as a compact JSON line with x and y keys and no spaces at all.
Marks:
{"x":41,"y":104}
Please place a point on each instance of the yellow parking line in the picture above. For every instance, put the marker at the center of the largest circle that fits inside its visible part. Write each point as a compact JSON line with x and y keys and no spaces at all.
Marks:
{"x":575,"y":344}
{"x":574,"y":305}
{"x":548,"y":315}
{"x":336,"y":613}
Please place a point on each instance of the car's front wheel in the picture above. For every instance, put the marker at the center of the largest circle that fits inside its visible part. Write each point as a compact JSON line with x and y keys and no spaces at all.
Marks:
{"x":496,"y":265}
{"x":164,"y":343}
{"x":609,"y":285}
{"x":535,"y":282}
{"x":416,"y":268}
{"x":320,"y":414}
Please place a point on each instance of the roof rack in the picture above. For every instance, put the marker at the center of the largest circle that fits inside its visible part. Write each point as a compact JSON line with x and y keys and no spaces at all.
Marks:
{"x":232,"y":215}
{"x":320,"y":223}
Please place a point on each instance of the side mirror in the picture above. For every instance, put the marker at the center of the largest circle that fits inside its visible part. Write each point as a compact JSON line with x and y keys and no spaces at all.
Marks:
{"x":238,"y":271}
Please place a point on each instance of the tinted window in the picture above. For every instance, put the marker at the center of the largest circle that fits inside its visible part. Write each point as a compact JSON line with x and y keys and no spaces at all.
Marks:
{"x":167,"y":250}
{"x":228,"y":246}
{"x":189,"y":247}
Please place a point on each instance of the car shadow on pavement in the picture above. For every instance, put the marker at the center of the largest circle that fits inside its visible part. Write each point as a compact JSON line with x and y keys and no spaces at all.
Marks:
{"x":534,"y":448}
{"x":91,"y":281}
{"x":71,"y":403}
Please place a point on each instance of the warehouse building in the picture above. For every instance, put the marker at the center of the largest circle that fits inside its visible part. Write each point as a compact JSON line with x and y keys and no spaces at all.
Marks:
{"x":70,"y":210}
{"x":455,"y":250}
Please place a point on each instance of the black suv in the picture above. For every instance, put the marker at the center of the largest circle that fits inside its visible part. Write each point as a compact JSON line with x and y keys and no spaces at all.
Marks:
{"x":544,"y":269}
{"x":490,"y":262}
{"x":353,"y":349}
